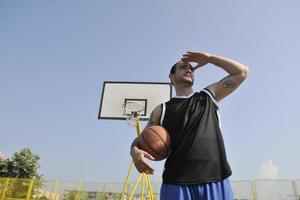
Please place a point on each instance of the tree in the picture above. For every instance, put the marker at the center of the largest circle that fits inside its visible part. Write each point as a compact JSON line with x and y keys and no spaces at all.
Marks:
{"x":22,"y":167}
{"x":23,"y":164}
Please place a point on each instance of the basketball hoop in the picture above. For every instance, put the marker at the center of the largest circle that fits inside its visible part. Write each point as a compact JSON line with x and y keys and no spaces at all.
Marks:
{"x":132,"y":110}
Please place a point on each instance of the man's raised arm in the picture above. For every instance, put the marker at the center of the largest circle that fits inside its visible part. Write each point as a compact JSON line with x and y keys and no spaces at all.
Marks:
{"x":237,"y":72}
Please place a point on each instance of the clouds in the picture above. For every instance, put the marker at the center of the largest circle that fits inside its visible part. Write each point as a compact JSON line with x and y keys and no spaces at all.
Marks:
{"x":272,"y":188}
{"x":268,"y":170}
{"x":2,"y":156}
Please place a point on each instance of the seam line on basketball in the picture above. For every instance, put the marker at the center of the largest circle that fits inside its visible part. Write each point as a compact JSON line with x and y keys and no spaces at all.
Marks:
{"x":160,"y":138}
{"x":151,"y":147}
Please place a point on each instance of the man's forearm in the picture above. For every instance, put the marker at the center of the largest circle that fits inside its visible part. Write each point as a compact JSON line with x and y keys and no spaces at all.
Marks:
{"x":135,"y":143}
{"x":230,"y":66}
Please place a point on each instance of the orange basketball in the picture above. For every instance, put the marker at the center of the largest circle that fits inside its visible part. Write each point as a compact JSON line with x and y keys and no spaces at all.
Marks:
{"x":156,"y":141}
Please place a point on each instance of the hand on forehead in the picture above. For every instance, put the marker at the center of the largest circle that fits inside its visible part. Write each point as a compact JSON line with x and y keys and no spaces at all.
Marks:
{"x":184,"y":64}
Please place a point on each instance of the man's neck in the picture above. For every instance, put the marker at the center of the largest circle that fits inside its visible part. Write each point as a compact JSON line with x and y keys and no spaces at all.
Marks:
{"x":183,"y":91}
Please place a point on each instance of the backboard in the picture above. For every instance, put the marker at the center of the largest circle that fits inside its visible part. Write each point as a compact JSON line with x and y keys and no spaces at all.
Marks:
{"x":145,"y":95}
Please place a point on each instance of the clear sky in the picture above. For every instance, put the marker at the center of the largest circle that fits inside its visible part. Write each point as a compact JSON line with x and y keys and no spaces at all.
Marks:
{"x":55,"y":55}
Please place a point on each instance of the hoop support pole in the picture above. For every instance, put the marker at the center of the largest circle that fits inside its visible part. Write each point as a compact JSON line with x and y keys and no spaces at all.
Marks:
{"x":142,"y":176}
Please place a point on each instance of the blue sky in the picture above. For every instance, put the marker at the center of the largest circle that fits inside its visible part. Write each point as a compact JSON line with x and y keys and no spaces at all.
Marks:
{"x":56,"y":54}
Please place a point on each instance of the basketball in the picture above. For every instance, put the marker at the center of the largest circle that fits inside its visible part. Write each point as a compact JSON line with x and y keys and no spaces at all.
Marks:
{"x":156,"y":141}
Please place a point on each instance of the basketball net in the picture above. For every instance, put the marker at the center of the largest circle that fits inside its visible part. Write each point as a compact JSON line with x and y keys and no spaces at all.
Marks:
{"x":132,"y":111}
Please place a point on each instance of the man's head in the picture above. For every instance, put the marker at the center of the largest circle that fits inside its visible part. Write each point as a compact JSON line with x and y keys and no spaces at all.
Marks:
{"x":182,"y":73}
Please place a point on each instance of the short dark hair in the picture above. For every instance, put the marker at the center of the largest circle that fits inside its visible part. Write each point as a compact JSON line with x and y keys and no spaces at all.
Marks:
{"x":173,"y":69}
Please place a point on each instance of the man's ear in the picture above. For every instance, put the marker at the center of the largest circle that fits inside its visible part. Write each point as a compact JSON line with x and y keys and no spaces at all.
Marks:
{"x":171,"y":77}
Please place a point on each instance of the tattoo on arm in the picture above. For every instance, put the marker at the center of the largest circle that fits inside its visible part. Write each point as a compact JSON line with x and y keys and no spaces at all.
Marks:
{"x":151,"y":121}
{"x":227,"y":82}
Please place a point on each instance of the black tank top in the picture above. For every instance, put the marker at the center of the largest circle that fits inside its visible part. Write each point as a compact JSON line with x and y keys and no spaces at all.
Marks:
{"x":197,"y":149}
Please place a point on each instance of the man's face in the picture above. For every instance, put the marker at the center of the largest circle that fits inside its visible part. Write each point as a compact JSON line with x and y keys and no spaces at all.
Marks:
{"x":184,"y":74}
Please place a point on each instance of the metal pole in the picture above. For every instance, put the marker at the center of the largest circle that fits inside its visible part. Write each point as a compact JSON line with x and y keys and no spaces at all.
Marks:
{"x":78,"y":191}
{"x":29,"y":190}
{"x":126,"y":182}
{"x":135,"y":186}
{"x":6,"y":180}
{"x":55,"y":190}
{"x":254,"y":190}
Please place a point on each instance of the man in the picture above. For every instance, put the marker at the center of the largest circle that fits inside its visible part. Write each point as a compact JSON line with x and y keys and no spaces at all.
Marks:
{"x":196,"y":167}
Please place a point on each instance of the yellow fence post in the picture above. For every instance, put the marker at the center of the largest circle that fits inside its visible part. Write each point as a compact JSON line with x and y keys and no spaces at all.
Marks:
{"x":6,"y":180}
{"x":55,"y":190}
{"x":78,"y":191}
{"x":254,"y":190}
{"x":29,"y":191}
{"x":103,"y":192}
{"x":295,"y":189}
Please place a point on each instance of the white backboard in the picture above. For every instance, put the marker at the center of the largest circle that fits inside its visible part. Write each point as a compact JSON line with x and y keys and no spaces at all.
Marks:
{"x":115,"y":94}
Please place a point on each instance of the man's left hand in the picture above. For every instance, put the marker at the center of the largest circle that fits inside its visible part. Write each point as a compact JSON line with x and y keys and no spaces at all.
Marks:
{"x":198,"y":57}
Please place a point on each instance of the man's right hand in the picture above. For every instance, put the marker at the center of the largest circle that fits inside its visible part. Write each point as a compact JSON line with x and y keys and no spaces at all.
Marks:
{"x":139,"y":160}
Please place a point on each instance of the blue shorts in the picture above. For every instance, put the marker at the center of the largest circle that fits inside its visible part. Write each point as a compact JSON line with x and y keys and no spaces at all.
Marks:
{"x":209,"y":191}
